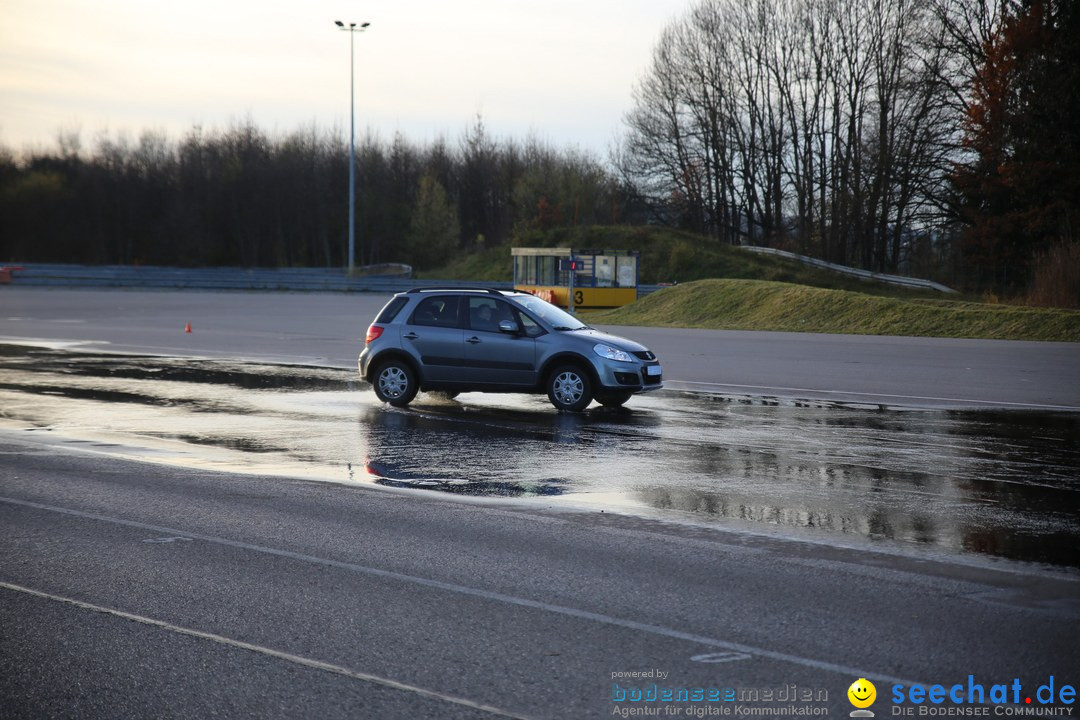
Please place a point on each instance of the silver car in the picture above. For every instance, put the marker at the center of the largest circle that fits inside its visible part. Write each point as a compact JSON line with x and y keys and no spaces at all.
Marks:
{"x":457,"y":340}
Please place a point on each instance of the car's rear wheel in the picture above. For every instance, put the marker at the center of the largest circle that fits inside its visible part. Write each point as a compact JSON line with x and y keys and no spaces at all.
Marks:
{"x":613,"y":399}
{"x":569,"y":388}
{"x":395,"y":383}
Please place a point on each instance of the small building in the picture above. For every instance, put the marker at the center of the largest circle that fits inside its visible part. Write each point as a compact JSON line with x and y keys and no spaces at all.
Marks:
{"x":599,"y":278}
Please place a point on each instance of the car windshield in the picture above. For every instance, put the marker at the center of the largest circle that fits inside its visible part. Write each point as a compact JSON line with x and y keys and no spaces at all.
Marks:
{"x":557,"y":318}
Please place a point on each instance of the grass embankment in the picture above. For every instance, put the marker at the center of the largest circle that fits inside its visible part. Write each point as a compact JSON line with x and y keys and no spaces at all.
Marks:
{"x":490,"y":265}
{"x":759,"y":305}
{"x":762,"y":292}
{"x":667,"y":256}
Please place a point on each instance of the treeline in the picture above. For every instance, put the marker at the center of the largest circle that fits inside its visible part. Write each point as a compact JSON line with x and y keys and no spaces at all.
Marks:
{"x":886,"y":134}
{"x":937,"y":138}
{"x":238,"y":196}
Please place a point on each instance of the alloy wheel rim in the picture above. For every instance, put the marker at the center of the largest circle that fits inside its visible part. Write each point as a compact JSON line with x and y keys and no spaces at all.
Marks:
{"x":393,"y":382}
{"x":568,"y":388}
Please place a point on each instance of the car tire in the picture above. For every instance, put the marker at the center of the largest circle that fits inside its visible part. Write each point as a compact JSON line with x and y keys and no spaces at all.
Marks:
{"x":613,"y":400}
{"x":569,"y":388}
{"x":395,"y":383}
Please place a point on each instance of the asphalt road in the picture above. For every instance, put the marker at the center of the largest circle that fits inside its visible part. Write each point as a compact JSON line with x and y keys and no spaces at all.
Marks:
{"x":328,"y":329}
{"x":136,"y":590}
{"x":132,"y":589}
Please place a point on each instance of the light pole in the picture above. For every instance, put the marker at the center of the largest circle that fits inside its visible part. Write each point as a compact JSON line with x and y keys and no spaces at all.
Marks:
{"x":352,"y":29}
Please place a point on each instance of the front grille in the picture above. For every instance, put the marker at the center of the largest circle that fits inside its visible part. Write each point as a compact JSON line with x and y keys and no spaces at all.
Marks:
{"x":646,"y":355}
{"x":650,"y":379}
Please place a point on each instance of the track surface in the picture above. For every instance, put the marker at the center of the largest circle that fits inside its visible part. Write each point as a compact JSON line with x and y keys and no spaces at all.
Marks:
{"x":136,"y":590}
{"x":132,"y":589}
{"x":328,"y":329}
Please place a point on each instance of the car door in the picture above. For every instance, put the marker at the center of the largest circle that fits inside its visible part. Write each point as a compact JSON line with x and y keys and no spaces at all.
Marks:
{"x":433,"y":336}
{"x":494,"y":357}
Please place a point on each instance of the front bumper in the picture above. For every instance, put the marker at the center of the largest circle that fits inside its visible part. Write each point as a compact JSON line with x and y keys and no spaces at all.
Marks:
{"x":633,"y":377}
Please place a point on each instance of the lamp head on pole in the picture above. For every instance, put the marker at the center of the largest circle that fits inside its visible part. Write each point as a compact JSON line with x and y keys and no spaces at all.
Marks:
{"x":352,"y":26}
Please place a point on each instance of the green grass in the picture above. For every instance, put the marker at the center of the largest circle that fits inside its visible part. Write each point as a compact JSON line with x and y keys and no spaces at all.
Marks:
{"x":762,"y":292}
{"x":493,"y":264}
{"x":762,"y":305}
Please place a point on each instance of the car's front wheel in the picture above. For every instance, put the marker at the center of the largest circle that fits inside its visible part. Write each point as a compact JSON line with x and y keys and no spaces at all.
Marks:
{"x":395,"y":383}
{"x":569,"y":388}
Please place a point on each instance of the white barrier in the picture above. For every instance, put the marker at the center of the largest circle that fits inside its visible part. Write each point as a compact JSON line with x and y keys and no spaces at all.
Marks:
{"x":854,"y":272}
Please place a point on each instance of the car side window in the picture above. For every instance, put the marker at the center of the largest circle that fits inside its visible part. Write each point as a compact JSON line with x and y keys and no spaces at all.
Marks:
{"x":486,"y":312}
{"x":436,"y":311}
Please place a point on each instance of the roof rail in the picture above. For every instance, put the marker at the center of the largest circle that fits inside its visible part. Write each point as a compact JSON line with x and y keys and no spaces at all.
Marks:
{"x":447,"y":288}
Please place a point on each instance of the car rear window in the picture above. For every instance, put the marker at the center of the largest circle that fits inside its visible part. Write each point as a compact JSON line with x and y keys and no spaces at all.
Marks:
{"x":390,"y":311}
{"x":437,"y":311}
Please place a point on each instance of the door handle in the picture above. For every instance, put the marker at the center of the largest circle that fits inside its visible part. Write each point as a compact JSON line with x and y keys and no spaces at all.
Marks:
{"x":410,"y":336}
{"x":473,"y":340}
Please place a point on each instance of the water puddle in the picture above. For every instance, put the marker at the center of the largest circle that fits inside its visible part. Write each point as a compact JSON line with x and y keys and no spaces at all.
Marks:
{"x":993,"y":483}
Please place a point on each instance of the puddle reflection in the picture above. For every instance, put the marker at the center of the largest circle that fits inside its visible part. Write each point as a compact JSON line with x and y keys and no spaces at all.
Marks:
{"x":1001,"y":484}
{"x":1004,"y":484}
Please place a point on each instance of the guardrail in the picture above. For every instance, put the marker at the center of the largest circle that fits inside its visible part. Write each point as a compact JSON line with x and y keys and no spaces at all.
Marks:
{"x":228,"y":278}
{"x":309,"y":279}
{"x":854,"y":272}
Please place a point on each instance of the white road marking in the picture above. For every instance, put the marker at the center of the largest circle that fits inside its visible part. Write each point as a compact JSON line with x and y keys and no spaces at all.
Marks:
{"x":646,"y":628}
{"x":720,"y":657}
{"x":278,"y":654}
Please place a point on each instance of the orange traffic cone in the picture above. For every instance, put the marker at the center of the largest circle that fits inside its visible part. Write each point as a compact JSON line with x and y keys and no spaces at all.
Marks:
{"x":187,"y":328}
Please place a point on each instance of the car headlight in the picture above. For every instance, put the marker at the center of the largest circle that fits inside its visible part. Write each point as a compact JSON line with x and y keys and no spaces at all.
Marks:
{"x":606,"y":351}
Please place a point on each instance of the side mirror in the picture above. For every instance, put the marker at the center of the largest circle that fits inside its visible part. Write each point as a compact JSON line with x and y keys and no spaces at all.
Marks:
{"x":509,"y":326}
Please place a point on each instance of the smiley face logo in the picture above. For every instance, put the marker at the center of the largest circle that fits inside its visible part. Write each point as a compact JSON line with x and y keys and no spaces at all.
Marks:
{"x":862,"y":693}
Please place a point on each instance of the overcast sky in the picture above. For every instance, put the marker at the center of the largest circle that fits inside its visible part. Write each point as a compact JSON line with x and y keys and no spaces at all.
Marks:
{"x":560,"y":69}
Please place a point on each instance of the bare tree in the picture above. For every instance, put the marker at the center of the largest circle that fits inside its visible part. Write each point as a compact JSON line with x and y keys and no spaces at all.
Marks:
{"x":815,"y":124}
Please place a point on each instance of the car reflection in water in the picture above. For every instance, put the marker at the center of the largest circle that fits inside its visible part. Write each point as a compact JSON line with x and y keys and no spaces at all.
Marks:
{"x":489,"y":451}
{"x":995,"y":483}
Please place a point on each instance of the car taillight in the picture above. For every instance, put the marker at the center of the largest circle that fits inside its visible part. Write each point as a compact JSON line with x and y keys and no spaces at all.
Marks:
{"x":373,"y":333}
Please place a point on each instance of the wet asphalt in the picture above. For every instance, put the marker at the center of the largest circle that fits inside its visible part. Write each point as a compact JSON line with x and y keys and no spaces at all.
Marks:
{"x":996,"y":483}
{"x":133,"y":589}
{"x":295,"y":549}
